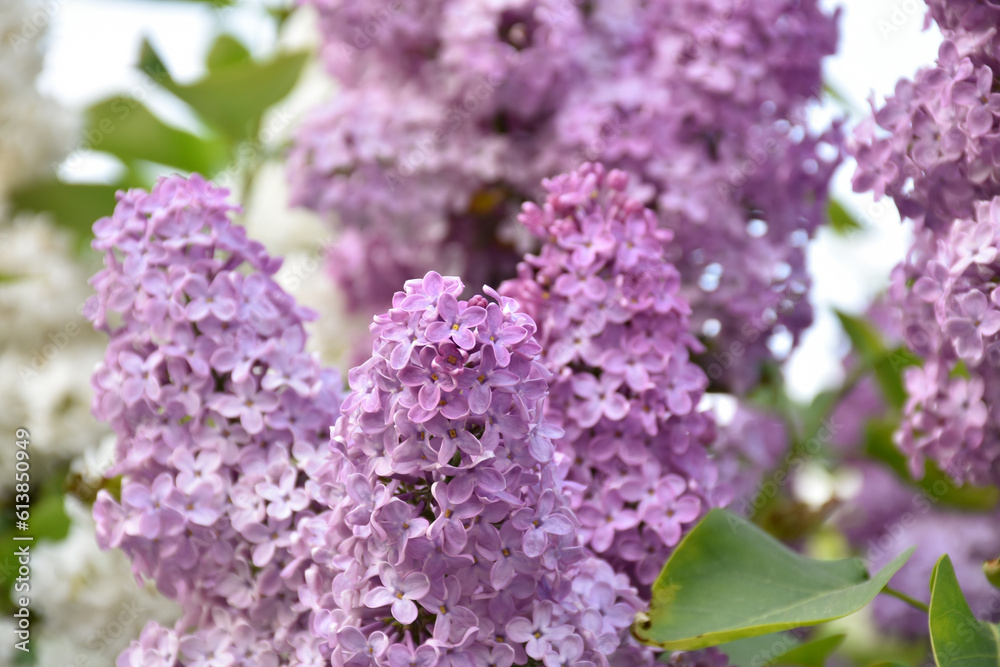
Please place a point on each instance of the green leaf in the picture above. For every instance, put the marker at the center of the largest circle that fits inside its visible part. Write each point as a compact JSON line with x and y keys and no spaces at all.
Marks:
{"x":233,"y":96}
{"x":936,"y":485}
{"x":75,"y":206}
{"x":780,"y":649}
{"x":227,"y":50}
{"x":152,"y":64}
{"x":958,"y":638}
{"x":842,"y":222}
{"x":865,"y":338}
{"x":886,"y":364}
{"x":889,"y":374}
{"x":128,"y":130}
{"x":728,"y":579}
{"x":811,"y":654}
{"x":49,"y":520}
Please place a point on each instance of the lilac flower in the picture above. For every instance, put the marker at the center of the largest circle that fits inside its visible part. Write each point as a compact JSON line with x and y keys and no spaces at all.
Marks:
{"x":400,"y":592}
{"x":449,"y":523}
{"x":199,"y":505}
{"x":600,"y":398}
{"x":397,"y":520}
{"x":488,"y":376}
{"x":266,"y":538}
{"x":973,"y":320}
{"x":367,"y":499}
{"x":982,"y":103}
{"x":141,"y":377}
{"x":455,"y":324}
{"x":283,"y":498}
{"x":192,"y":470}
{"x":940,"y":296}
{"x":217,"y":299}
{"x":361,"y":650}
{"x":605,"y":521}
{"x":247,"y":403}
{"x":401,"y":655}
{"x":539,"y":523}
{"x":158,"y":516}
{"x":569,"y":652}
{"x":539,"y":632}
{"x":452,"y":620}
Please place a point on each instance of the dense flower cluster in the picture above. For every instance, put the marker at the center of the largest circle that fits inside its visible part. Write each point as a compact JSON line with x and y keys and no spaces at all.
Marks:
{"x":935,"y":149}
{"x":946,"y":290}
{"x":432,"y":529}
{"x":458,"y":545}
{"x":452,"y":111}
{"x":614,"y":332}
{"x":222,"y":421}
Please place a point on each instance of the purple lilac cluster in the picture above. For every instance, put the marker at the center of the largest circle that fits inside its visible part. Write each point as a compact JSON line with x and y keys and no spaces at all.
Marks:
{"x":458,"y":545}
{"x":947,"y":292}
{"x":934,"y":147}
{"x":223,"y":423}
{"x":614,"y":331}
{"x":452,"y":111}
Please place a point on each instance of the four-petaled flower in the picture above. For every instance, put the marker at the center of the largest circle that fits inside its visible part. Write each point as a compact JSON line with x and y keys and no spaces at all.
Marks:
{"x":399,"y":592}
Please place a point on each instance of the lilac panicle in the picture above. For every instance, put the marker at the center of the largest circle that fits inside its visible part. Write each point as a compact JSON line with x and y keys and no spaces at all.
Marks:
{"x":223,"y":424}
{"x":934,"y":148}
{"x":614,"y":331}
{"x":454,"y":542}
{"x":946,"y":293}
{"x":450,"y":113}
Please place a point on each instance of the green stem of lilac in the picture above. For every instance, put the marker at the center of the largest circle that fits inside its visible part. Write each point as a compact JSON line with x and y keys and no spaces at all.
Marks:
{"x":913,"y":602}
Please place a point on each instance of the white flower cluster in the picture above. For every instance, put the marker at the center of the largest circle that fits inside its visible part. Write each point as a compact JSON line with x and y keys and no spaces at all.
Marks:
{"x":35,"y":133}
{"x":48,"y":348}
{"x":90,"y":603}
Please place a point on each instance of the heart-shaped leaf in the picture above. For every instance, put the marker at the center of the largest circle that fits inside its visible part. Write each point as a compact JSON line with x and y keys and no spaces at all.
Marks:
{"x":728,"y":579}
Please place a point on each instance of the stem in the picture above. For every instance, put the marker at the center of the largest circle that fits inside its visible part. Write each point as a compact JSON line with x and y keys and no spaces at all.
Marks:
{"x":906,"y":598}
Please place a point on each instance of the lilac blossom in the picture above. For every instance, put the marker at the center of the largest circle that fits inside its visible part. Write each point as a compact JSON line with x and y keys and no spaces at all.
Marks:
{"x":205,"y":428}
{"x":465,"y":535}
{"x":449,"y":118}
{"x":636,"y":450}
{"x":950,"y":414}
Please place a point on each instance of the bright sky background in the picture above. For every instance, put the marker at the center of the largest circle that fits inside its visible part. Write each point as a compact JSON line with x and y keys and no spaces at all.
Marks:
{"x":94,"y":43}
